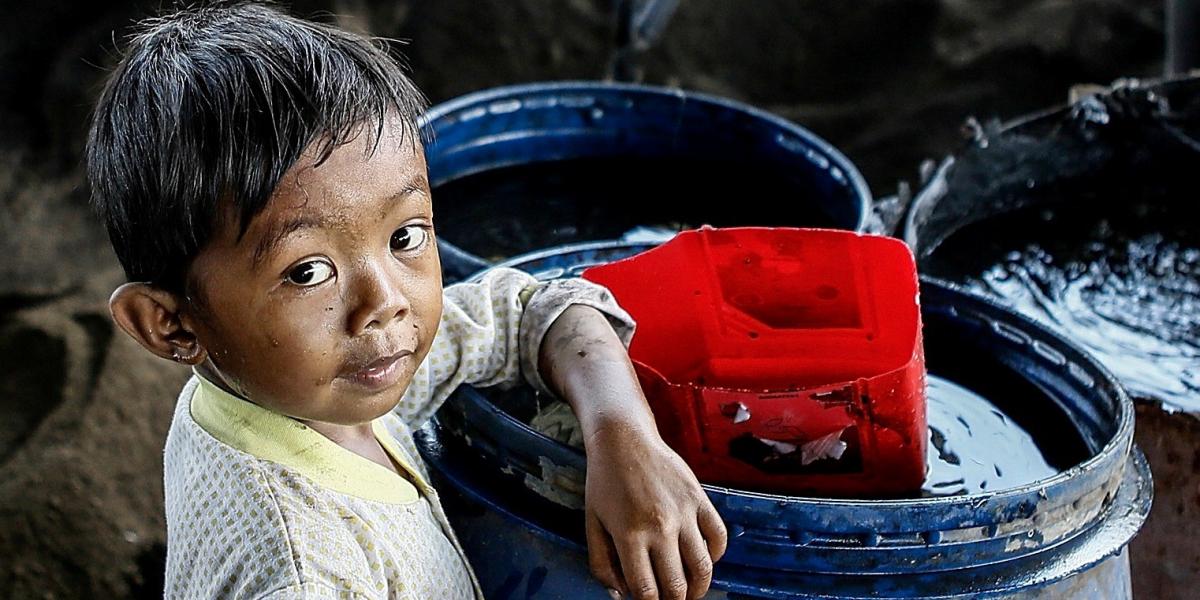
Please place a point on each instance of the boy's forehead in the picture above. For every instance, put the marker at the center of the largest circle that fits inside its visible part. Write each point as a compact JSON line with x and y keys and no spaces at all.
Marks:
{"x":356,"y":182}
{"x":363,"y":166}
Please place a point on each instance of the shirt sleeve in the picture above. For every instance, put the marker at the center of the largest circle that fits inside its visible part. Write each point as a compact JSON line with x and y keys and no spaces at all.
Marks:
{"x":491,"y":331}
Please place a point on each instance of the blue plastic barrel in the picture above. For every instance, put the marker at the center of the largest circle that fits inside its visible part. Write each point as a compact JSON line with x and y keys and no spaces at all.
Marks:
{"x":514,"y":495}
{"x":704,"y":140}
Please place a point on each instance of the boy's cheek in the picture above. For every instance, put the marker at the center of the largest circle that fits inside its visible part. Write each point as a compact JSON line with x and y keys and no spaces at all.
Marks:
{"x":277,"y":351}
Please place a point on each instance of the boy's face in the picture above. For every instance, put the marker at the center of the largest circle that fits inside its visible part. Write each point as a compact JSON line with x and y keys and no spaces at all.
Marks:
{"x":326,"y":306}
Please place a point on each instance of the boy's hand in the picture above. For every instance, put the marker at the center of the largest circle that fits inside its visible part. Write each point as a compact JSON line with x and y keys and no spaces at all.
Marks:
{"x":651,"y":530}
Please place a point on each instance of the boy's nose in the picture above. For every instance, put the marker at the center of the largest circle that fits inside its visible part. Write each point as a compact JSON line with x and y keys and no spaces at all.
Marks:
{"x":379,"y":298}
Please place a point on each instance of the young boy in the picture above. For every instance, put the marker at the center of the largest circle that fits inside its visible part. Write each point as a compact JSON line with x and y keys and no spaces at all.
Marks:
{"x":265,"y":189}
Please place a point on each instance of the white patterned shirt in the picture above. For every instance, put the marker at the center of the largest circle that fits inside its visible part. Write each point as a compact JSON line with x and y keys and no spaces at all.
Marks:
{"x":261,"y":506}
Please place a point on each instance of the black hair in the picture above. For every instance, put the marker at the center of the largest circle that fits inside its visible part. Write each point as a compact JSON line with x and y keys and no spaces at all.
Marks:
{"x":209,"y":108}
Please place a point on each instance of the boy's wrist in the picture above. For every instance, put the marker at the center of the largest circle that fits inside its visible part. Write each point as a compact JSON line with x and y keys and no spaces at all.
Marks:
{"x":615,"y":431}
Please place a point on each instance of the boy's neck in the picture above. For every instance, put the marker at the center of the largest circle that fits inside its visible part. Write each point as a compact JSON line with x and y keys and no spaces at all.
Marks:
{"x":359,"y":439}
{"x":346,"y":436}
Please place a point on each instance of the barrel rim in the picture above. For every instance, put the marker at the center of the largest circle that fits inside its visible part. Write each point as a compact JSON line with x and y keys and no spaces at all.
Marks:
{"x":854,"y":178}
{"x":1107,"y":540}
{"x":931,"y":190}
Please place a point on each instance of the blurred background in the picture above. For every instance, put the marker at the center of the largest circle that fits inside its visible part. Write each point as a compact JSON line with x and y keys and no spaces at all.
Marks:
{"x":84,"y":413}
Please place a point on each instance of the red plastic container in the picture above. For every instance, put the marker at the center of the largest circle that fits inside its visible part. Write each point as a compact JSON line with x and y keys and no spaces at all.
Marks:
{"x":782,"y":360}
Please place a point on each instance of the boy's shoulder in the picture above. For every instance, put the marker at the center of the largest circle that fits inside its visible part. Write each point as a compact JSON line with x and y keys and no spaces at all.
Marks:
{"x":222,"y":520}
{"x":236,"y":520}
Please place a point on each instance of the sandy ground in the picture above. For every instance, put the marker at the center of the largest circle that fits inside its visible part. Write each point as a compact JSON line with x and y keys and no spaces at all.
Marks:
{"x":83,"y":412}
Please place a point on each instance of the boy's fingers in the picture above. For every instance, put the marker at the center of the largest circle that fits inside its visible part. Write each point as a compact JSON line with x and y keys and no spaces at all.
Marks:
{"x":696,"y":561}
{"x":713,"y":530}
{"x":672,"y":582}
{"x":639,"y":574}
{"x":602,"y":555}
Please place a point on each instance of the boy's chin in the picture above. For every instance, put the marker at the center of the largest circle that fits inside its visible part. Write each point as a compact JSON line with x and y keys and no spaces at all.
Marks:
{"x":367,"y":403}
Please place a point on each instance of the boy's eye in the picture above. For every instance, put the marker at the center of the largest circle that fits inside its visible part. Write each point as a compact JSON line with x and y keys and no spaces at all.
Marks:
{"x":409,"y":237}
{"x":310,"y":273}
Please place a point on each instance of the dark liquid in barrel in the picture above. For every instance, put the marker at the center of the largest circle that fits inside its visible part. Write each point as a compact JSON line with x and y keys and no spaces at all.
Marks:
{"x":974,"y":447}
{"x":1120,"y":277}
{"x":514,"y":210}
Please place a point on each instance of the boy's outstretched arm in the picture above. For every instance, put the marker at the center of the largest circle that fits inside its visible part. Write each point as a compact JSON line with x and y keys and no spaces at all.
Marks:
{"x":651,"y":530}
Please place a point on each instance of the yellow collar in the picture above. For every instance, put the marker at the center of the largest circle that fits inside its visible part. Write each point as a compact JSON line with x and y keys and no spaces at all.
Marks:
{"x":283,"y":440}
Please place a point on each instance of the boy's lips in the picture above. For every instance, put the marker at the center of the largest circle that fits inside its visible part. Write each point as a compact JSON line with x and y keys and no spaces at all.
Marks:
{"x":377,"y":374}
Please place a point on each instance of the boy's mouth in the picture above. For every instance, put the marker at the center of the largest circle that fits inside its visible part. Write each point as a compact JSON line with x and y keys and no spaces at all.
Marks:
{"x":378,"y":374}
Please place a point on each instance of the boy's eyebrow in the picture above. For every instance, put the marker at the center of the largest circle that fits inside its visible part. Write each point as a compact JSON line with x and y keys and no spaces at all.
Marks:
{"x":278,"y":232}
{"x":415,"y":185}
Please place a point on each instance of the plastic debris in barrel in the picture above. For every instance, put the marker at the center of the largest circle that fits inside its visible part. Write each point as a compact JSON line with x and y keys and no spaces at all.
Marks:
{"x":781,"y":359}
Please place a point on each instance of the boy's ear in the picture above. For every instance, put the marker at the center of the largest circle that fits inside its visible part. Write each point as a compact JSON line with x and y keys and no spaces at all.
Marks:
{"x":151,"y":316}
